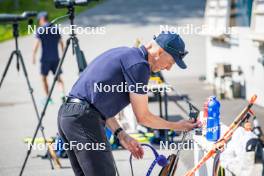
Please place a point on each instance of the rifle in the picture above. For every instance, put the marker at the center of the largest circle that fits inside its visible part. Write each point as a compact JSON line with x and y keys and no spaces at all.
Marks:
{"x":173,"y":159}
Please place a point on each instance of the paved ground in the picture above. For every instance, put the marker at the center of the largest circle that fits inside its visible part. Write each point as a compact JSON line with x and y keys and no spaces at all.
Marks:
{"x":124,"y":21}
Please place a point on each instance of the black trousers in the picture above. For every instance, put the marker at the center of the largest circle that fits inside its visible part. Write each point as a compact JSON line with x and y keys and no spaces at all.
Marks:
{"x":82,"y":129}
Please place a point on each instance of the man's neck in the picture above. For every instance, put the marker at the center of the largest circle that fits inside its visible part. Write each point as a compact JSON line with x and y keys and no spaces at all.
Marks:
{"x":44,"y":23}
{"x":150,"y":54}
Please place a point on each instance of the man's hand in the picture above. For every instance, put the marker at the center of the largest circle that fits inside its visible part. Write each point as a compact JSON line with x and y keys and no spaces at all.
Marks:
{"x":187,"y":125}
{"x":131,"y":144}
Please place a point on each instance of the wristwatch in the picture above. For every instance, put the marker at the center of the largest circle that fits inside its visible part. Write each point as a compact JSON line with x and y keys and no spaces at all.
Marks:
{"x":117,"y":131}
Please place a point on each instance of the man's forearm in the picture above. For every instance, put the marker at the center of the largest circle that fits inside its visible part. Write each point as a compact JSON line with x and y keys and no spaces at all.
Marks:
{"x":35,"y":48}
{"x":156,"y":122}
{"x":150,"y":120}
{"x":112,"y":124}
{"x":62,"y":45}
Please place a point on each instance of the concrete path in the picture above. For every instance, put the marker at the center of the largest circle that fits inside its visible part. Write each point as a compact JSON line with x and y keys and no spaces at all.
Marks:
{"x":124,"y":21}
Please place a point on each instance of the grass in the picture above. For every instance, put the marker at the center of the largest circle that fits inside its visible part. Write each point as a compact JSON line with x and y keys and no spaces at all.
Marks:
{"x":8,"y":6}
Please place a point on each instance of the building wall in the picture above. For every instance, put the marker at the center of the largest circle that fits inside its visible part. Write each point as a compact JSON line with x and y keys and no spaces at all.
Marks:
{"x":240,"y":51}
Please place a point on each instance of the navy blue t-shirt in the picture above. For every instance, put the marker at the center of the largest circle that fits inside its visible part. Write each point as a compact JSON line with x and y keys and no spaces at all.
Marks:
{"x":49,"y":37}
{"x":108,"y":79}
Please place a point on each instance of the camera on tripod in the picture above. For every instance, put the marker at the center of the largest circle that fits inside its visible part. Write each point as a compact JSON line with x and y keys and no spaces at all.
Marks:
{"x":13,"y":18}
{"x":69,"y":3}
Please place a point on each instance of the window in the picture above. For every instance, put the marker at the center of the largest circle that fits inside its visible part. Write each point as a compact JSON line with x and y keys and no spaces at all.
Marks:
{"x":240,"y":14}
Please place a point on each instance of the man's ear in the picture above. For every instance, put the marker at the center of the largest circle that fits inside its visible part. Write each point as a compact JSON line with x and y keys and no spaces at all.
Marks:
{"x":160,"y":51}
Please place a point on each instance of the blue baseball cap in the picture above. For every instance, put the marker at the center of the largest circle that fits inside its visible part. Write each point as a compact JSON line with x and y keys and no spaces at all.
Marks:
{"x":42,"y":14}
{"x":173,"y":44}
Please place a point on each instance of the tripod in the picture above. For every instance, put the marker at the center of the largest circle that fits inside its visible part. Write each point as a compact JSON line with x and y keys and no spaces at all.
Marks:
{"x":19,"y":57}
{"x":81,"y":65}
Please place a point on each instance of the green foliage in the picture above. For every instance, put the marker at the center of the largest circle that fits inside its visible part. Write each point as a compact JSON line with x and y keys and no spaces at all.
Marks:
{"x":9,"y":6}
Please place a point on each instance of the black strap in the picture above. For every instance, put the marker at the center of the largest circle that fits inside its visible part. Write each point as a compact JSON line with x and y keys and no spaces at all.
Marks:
{"x":117,"y":131}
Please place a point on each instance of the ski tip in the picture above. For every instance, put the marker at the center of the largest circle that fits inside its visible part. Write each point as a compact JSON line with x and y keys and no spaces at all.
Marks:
{"x":253,"y":99}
